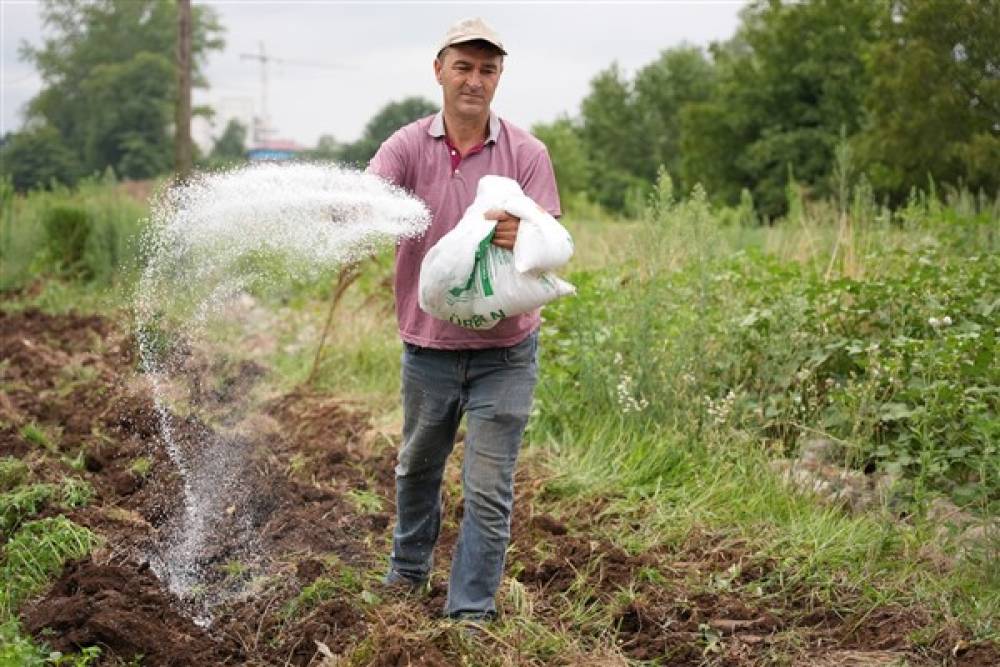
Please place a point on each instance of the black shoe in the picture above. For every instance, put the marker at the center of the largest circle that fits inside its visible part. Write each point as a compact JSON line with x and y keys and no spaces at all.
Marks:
{"x":473,"y":625}
{"x":395,"y":584}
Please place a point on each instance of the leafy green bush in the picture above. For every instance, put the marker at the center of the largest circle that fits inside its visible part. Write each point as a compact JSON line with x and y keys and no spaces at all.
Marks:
{"x":900,"y":369}
{"x":881,"y":337}
{"x":16,"y":649}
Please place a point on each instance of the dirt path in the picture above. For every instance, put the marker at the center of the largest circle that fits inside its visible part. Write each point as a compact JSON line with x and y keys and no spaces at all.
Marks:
{"x":318,"y":501}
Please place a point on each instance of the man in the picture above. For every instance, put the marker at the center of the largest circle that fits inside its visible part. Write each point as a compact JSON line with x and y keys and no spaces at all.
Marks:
{"x":448,"y":371}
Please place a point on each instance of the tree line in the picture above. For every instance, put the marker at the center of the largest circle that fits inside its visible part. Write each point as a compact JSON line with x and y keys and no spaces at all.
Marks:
{"x":911,"y":86}
{"x":108,"y":94}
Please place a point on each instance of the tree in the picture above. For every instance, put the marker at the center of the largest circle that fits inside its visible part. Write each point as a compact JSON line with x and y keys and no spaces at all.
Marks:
{"x":791,"y":80}
{"x":680,"y":77}
{"x":232,"y":145}
{"x":327,"y":148}
{"x":38,"y":157}
{"x":109,"y":80}
{"x":614,"y":135}
{"x":934,"y":102}
{"x":130,"y":132}
{"x":568,"y":154}
{"x":389,"y":119}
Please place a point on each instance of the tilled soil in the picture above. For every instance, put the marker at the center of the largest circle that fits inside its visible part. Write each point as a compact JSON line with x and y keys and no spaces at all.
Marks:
{"x":294,"y":580}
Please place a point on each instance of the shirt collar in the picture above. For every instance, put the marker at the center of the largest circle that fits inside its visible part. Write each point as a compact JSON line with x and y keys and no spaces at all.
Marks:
{"x":436,"y":128}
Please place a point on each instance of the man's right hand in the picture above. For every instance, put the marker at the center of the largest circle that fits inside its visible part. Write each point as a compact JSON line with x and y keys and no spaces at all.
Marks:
{"x":505,"y":233}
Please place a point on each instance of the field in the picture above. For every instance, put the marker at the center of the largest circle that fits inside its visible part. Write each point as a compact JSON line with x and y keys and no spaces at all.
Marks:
{"x":751,"y":445}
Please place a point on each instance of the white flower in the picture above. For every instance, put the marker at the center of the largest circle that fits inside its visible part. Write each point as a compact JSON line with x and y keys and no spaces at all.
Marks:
{"x":946,"y":321}
{"x":626,"y":395}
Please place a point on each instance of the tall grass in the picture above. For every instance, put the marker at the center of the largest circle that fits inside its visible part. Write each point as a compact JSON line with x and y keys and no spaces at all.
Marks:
{"x":700,"y":347}
{"x":674,"y":378}
{"x":875,"y":330}
{"x":89,"y":233}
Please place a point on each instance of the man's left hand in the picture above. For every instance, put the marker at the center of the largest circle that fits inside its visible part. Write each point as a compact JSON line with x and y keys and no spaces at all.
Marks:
{"x":506,"y":229}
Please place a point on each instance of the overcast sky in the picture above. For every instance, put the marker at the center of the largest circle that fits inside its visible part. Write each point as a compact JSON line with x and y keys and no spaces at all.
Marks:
{"x":377,"y":52}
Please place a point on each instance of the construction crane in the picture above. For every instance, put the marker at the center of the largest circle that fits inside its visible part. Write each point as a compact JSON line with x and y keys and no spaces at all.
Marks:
{"x":262,"y":129}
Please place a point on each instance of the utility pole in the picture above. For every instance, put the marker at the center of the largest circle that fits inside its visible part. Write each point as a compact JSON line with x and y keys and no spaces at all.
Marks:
{"x":262,"y":129}
{"x":182,"y":119}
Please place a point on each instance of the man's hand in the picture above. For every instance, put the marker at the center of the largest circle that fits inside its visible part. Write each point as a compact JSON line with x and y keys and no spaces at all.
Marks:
{"x":506,"y":229}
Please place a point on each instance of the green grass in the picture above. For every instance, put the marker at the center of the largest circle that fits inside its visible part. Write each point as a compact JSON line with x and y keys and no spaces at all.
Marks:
{"x":75,"y":492}
{"x":39,"y":436}
{"x":36,"y":553}
{"x":22,"y":503}
{"x":697,"y":351}
{"x":103,"y":248}
{"x":141,"y":466}
{"x":347,"y":582}
{"x":365,"y":501}
{"x":12,"y":472}
{"x":845,"y":562}
{"x":234,"y":569}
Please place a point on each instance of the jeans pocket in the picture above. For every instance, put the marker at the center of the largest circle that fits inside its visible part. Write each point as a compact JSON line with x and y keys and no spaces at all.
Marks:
{"x":524,"y":353}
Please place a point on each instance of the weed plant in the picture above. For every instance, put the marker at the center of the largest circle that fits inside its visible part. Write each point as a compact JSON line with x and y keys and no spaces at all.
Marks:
{"x":20,"y":651}
{"x":89,"y":233}
{"x":75,"y":492}
{"x":22,"y":503}
{"x":887,"y":348}
{"x":35,"y":553}
{"x":348,"y":582}
{"x":36,"y":435}
{"x":13,"y":471}
{"x":673,"y":379}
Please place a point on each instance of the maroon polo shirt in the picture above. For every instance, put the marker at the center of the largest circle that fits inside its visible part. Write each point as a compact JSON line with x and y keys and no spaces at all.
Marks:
{"x":420,"y":159}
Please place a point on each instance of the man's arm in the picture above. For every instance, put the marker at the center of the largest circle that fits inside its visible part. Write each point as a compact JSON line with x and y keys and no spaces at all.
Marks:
{"x":389,"y":162}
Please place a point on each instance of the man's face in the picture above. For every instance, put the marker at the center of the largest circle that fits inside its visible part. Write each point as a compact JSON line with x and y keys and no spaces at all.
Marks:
{"x":468,"y":76}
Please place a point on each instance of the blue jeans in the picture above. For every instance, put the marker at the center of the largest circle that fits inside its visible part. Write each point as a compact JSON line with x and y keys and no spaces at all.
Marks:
{"x":494,"y":388}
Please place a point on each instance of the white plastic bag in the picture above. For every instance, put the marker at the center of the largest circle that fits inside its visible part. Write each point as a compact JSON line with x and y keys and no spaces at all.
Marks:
{"x":542,"y":244}
{"x":468,"y":281}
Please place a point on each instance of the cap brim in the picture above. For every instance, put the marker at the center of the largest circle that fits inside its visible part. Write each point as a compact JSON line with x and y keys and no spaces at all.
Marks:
{"x":476,"y":38}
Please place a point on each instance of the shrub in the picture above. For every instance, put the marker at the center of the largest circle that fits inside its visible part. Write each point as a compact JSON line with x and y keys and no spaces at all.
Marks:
{"x":67,"y":229}
{"x":880,"y":336}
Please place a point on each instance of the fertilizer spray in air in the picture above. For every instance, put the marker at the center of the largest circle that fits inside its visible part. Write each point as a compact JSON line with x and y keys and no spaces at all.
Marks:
{"x":210,"y":240}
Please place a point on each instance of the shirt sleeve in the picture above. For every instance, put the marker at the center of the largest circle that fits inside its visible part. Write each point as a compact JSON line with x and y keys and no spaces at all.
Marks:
{"x":538,"y":181}
{"x":389,"y":161}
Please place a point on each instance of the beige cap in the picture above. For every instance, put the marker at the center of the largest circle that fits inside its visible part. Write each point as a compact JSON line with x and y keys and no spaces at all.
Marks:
{"x":469,"y":30}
